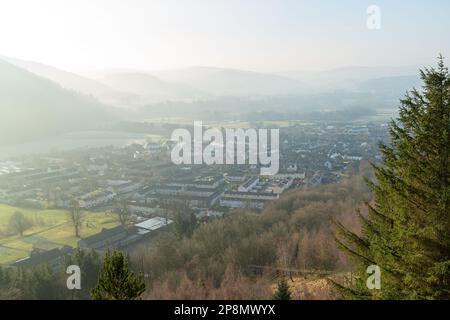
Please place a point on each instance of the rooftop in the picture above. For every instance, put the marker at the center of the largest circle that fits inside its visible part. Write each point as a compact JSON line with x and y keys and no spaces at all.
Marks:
{"x":104,"y":235}
{"x":153,"y":223}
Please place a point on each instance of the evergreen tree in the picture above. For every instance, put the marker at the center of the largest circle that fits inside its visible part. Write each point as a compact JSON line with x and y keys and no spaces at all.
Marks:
{"x":407,"y":230}
{"x":116,"y":282}
{"x":283,"y":292}
{"x":39,"y":283}
{"x":184,"y":223}
{"x":5,"y":278}
{"x":90,"y":263}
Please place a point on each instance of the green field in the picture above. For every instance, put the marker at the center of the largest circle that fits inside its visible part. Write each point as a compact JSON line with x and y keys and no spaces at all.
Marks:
{"x":49,"y":226}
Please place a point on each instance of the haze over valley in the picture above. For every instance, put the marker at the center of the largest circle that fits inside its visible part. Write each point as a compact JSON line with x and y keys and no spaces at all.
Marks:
{"x":224,"y":150}
{"x":65,"y":102}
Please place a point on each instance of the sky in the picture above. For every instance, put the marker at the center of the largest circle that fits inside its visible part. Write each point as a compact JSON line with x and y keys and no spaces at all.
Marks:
{"x":260,"y":35}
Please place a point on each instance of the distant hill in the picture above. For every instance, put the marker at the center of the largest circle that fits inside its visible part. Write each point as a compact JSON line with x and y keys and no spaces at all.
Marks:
{"x":150,"y":89}
{"x":392,"y":87}
{"x":231,"y":82}
{"x":74,"y":82}
{"x":348,"y":78}
{"x":365,"y":72}
{"x":217,"y":92}
{"x":32,"y":107}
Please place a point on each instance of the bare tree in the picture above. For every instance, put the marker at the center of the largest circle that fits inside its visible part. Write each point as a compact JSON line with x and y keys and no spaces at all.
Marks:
{"x":123,"y":212}
{"x":166,"y":206}
{"x":75,"y":216}
{"x":19,"y":223}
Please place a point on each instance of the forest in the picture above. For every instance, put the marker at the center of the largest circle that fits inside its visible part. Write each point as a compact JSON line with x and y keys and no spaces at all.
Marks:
{"x":235,"y":257}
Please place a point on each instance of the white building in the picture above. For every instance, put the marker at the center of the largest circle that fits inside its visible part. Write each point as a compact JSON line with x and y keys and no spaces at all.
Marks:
{"x":144,"y":210}
{"x":152,"y":225}
{"x":95,"y":199}
{"x":254,"y":200}
{"x":292,"y":168}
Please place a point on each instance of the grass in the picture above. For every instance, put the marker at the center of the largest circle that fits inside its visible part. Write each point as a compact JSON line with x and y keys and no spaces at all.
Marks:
{"x":48,"y":226}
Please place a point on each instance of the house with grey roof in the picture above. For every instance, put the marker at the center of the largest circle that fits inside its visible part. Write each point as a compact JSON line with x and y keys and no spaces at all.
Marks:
{"x":54,"y":258}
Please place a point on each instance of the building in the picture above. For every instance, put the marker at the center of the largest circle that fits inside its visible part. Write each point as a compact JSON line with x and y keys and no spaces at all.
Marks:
{"x":235,"y":179}
{"x":126,"y":187}
{"x":358,"y":131}
{"x":292,"y":168}
{"x":196,"y":197}
{"x":105,"y":239}
{"x":54,"y":258}
{"x":96,"y":199}
{"x":255,"y":200}
{"x":121,"y":237}
{"x":279,"y":186}
{"x":296,"y":175}
{"x":153,"y":149}
{"x":142,"y":209}
{"x":18,"y":194}
{"x":210,"y":182}
{"x":153,"y":224}
{"x":249,"y":184}
{"x":239,"y":203}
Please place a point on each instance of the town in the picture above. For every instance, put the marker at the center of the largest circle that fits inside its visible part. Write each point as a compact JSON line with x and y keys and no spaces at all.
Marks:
{"x":142,"y":180}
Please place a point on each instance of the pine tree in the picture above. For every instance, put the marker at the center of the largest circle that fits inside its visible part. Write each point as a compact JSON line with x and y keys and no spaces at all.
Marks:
{"x":116,"y":282}
{"x":90,"y":263}
{"x":283,"y":292}
{"x":407,"y":230}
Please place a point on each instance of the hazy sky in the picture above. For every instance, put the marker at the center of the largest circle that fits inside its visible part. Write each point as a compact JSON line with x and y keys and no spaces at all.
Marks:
{"x":265,"y":35}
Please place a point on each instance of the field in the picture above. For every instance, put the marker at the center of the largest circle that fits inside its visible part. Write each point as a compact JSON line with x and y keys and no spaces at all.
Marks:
{"x":49,"y":227}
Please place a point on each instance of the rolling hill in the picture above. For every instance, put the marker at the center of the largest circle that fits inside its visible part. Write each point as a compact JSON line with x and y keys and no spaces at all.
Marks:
{"x":150,"y":89}
{"x":32,"y":107}
{"x":231,"y":82}
{"x":392,"y":87}
{"x":75,"y":82}
{"x":350,"y":78}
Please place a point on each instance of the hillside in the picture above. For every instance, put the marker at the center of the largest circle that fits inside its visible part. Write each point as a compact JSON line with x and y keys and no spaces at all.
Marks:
{"x":75,"y":82}
{"x":33,"y":107}
{"x":352,"y":78}
{"x":148,"y":88}
{"x":391,"y":87}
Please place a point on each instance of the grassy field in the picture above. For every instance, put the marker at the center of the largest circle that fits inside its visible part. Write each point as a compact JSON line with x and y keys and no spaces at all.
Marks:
{"x":230,"y":124}
{"x":48,"y":226}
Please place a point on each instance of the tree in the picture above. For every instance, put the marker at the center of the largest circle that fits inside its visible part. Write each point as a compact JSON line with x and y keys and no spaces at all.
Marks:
{"x":184,"y":223}
{"x":123,"y":212}
{"x":90,"y":263}
{"x":184,"y":219}
{"x":283,"y":291}
{"x":75,"y":216}
{"x":39,"y":283}
{"x":5,"y":278}
{"x":407,"y":230}
{"x":19,"y":223}
{"x":116,"y":282}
